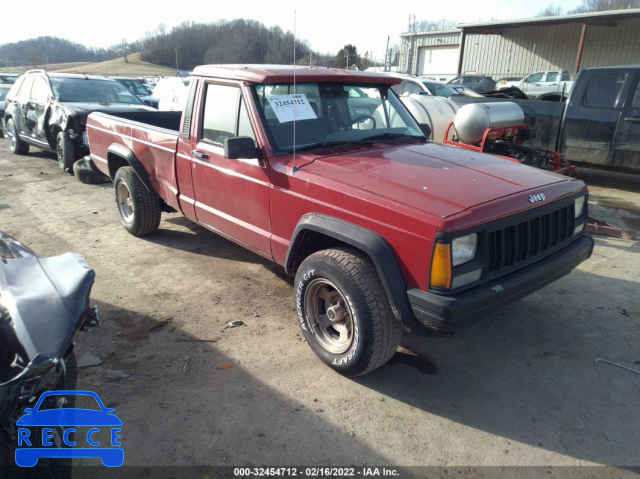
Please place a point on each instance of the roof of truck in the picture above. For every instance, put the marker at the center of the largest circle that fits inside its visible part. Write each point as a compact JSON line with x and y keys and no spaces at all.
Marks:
{"x":285,"y":73}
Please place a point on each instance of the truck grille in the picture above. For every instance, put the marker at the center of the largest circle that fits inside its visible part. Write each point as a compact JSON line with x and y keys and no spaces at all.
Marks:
{"x":513,"y":245}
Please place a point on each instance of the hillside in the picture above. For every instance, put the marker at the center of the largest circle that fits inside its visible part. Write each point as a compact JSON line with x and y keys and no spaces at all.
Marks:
{"x":118,"y":67}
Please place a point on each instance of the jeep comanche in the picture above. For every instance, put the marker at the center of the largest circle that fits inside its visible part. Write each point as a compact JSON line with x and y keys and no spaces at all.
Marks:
{"x":325,"y":172}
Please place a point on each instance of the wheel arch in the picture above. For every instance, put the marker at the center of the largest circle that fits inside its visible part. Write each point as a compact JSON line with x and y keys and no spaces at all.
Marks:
{"x":119,"y":156}
{"x":315,"y":232}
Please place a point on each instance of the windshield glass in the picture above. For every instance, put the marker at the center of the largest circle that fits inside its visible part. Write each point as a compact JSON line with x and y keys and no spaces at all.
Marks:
{"x":91,"y":90}
{"x":439,"y":89}
{"x":3,"y":93}
{"x":331,"y":113}
{"x":135,"y":87}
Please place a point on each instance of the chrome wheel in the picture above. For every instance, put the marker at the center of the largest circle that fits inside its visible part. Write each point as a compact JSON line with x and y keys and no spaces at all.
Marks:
{"x":329,"y":315}
{"x":60,"y":153}
{"x":11,"y":135}
{"x":125,"y":202}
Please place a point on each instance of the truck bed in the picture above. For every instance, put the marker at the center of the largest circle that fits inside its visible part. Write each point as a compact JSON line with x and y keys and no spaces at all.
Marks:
{"x":151,"y":137}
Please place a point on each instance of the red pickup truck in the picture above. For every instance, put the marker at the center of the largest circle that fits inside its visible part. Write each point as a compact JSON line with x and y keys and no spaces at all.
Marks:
{"x":325,"y":172}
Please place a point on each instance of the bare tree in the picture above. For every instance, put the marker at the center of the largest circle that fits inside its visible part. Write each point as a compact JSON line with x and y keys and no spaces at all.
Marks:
{"x":550,"y":11}
{"x":434,"y":25}
{"x":125,"y":50}
{"x":605,"y":5}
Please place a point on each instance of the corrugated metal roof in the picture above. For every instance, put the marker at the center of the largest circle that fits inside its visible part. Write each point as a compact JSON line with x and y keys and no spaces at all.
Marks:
{"x":435,"y":32}
{"x":592,"y":18}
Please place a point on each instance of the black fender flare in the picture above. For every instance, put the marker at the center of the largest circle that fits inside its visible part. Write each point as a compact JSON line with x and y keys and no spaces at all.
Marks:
{"x":127,"y":155}
{"x":370,"y":243}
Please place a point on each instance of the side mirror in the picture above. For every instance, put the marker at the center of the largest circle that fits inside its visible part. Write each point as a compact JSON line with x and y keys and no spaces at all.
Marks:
{"x":241,"y":147}
{"x":426,"y":130}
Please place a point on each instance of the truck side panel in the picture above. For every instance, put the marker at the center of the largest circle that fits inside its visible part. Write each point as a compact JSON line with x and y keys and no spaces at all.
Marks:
{"x":154,"y":147}
{"x":592,"y":116}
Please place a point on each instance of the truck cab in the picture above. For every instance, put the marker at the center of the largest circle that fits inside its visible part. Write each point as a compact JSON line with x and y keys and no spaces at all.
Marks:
{"x":553,"y":85}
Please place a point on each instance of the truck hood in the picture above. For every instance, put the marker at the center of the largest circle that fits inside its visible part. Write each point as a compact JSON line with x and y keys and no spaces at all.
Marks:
{"x":83,"y":109}
{"x":439,"y":180}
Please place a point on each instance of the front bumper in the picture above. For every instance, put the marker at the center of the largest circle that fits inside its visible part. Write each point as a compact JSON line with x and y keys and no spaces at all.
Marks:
{"x":444,"y":313}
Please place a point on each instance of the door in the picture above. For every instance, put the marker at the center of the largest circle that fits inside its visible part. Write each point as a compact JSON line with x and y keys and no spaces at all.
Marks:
{"x":626,"y":146}
{"x":592,"y":117}
{"x":231,"y":195}
{"x":24,"y":119}
{"x":532,"y":85}
{"x":37,"y":108}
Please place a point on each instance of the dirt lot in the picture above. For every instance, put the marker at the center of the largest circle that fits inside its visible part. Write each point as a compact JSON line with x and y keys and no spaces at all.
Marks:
{"x":519,"y":389}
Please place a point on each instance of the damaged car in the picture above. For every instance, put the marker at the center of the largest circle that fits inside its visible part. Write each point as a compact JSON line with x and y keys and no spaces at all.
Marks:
{"x":43,"y":303}
{"x":49,"y":111}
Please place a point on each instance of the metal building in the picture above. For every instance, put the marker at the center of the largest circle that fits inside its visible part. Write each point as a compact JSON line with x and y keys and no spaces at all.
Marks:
{"x":520,"y":47}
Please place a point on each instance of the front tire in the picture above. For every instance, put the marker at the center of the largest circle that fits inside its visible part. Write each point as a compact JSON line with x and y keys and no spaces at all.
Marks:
{"x":139,"y":209}
{"x":16,"y":145}
{"x":344,"y":312}
{"x":65,"y":151}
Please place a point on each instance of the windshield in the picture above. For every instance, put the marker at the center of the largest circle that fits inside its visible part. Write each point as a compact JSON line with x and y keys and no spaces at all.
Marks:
{"x":91,"y":90}
{"x":3,"y":93}
{"x":135,"y":87}
{"x":332,"y":113}
{"x":439,"y":89}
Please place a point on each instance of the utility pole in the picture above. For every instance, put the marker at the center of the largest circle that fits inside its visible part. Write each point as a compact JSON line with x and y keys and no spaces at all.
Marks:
{"x":177,"y":69}
{"x":386,"y":55}
{"x":347,"y":53}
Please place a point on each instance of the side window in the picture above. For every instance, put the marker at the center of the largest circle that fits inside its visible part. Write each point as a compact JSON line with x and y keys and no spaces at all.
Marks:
{"x":244,"y":125}
{"x":40,"y":90}
{"x":25,"y":89}
{"x":636,"y":96}
{"x":604,"y":89}
{"x":225,"y":115}
{"x":566,"y":76}
{"x":536,"y":77}
{"x":398,"y":87}
{"x":552,"y":76}
{"x":411,"y":87}
{"x":220,"y":112}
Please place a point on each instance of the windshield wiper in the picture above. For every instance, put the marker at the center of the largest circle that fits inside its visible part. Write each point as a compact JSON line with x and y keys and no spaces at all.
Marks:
{"x":324,"y":144}
{"x":388,"y":136}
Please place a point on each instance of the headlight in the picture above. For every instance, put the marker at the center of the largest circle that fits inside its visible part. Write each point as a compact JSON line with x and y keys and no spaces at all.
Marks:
{"x":464,"y":249}
{"x":578,"y":206}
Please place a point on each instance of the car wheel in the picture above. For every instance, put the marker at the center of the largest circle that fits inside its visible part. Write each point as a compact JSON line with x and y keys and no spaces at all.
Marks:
{"x":84,"y":172}
{"x":344,"y":312}
{"x":16,"y":145}
{"x":65,"y":151}
{"x":139,"y":209}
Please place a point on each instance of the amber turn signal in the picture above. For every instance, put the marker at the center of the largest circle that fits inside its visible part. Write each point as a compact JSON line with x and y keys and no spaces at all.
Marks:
{"x":441,"y":266}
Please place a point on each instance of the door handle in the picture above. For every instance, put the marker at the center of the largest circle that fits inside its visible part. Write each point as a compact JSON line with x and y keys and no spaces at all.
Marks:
{"x":633,"y":119}
{"x":199,"y":154}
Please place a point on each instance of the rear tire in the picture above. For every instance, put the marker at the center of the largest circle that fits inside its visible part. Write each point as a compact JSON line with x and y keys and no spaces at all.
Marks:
{"x":139,"y":209}
{"x":16,"y":145}
{"x":65,"y":151}
{"x":344,"y":312}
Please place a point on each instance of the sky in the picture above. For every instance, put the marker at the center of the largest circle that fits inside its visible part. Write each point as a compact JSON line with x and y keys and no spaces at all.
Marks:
{"x":327,"y":25}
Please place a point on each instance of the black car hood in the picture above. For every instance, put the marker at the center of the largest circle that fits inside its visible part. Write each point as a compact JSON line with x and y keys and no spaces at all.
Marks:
{"x":83,"y":109}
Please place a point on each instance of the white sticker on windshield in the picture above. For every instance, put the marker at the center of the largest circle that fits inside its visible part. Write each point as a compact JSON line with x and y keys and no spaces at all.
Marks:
{"x":292,"y":107}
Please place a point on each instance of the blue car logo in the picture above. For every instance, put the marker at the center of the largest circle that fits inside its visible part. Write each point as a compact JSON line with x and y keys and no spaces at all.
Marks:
{"x":36,"y":432}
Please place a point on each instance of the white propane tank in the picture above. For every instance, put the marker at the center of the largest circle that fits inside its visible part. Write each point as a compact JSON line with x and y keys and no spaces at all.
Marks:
{"x":473,"y":119}
{"x":435,"y":111}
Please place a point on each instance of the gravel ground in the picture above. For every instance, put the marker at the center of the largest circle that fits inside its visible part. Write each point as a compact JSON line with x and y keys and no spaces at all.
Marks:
{"x":518,"y":389}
